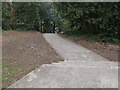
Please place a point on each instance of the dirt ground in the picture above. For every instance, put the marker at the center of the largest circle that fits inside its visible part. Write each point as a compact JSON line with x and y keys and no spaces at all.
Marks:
{"x":22,"y":52}
{"x":106,"y":50}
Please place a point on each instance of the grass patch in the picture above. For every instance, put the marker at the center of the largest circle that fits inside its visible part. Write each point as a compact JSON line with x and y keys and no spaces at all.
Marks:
{"x":37,"y":63}
{"x":7,"y":31}
{"x":9,"y":74}
{"x":73,"y":33}
{"x":19,"y":30}
{"x":92,"y":37}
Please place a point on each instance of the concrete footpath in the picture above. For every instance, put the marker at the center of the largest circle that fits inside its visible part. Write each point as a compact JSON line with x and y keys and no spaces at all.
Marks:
{"x":82,"y":68}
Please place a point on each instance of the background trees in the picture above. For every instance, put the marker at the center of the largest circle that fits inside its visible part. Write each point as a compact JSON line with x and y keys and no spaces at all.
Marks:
{"x":26,"y":16}
{"x":98,"y":19}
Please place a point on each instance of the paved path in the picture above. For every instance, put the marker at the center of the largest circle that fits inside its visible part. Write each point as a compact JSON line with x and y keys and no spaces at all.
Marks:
{"x":82,"y":68}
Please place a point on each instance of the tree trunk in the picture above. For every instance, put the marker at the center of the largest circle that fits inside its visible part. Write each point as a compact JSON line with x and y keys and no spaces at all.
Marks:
{"x":11,"y":14}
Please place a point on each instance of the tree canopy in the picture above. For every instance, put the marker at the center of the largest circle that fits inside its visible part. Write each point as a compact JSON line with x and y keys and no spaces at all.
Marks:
{"x":100,"y":19}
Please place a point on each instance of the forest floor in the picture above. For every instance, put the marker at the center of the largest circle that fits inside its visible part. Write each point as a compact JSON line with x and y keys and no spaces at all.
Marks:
{"x":107,"y":50}
{"x":23,"y":52}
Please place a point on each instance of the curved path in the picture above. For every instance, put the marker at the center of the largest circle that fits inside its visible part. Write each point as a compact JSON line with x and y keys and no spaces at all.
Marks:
{"x":82,"y":68}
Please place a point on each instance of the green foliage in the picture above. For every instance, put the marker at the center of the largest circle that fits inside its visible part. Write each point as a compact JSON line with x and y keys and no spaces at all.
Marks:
{"x":93,"y":18}
{"x":84,"y":18}
{"x":26,"y":16}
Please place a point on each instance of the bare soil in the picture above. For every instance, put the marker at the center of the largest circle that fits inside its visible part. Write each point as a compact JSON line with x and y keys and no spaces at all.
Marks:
{"x":23,"y":52}
{"x":106,"y":50}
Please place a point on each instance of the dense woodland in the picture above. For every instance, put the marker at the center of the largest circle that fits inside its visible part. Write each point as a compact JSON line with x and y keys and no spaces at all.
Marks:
{"x":100,"y":20}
